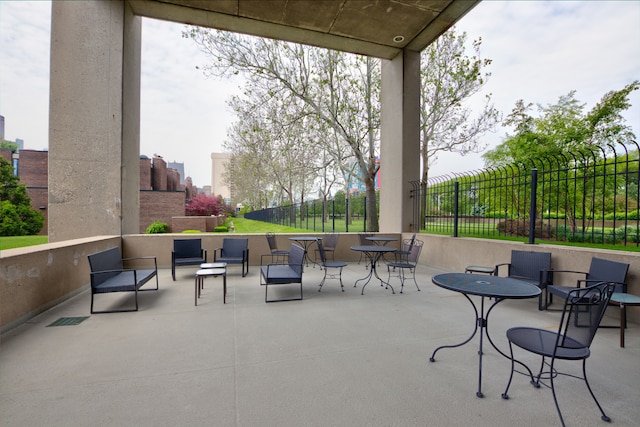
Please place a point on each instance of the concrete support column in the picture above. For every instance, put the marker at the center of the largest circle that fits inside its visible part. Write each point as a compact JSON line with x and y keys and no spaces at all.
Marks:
{"x":94,"y":116}
{"x":400,"y":140}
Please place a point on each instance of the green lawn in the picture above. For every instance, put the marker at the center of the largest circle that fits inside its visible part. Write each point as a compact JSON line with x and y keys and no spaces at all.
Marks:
{"x":9,"y":242}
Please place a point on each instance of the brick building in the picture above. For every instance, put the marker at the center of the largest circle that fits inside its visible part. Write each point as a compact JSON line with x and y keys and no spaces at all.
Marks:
{"x":162,"y":196}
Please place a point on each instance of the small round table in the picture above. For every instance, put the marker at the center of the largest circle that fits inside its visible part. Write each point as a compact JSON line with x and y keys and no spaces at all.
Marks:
{"x":624,"y":299}
{"x":500,"y":288}
{"x":210,"y":272}
{"x":373,"y":252}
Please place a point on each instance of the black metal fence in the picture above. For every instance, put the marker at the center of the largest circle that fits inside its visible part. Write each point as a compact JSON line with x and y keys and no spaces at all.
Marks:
{"x":317,"y":215}
{"x":589,"y":197}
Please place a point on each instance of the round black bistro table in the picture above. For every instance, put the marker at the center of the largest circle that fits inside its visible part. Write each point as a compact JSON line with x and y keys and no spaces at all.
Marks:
{"x":499,"y":288}
{"x":373,"y":252}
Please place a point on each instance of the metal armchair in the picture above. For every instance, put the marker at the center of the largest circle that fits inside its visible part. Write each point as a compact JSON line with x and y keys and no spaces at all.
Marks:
{"x":531,"y":267}
{"x":234,"y":251}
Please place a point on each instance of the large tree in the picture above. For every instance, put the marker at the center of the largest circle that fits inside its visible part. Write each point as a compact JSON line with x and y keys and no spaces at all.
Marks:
{"x":16,"y":216}
{"x":449,"y":78}
{"x":564,"y":128}
{"x":340,"y":90}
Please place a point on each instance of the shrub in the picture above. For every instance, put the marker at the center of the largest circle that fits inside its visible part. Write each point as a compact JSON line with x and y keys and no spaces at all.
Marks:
{"x":520,"y":227}
{"x":191,"y":231}
{"x":157,"y":228}
{"x":221,"y":229}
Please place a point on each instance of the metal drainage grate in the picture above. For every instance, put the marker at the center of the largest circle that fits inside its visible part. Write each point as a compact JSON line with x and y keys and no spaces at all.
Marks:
{"x":68,"y":321}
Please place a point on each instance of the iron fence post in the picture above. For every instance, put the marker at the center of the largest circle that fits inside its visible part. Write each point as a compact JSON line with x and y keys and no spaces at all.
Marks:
{"x":456,"y":187}
{"x":532,"y":208}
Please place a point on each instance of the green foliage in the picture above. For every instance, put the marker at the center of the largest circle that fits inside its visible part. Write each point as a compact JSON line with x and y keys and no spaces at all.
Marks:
{"x":157,"y":228}
{"x":191,"y":231}
{"x":221,"y":229}
{"x":16,"y":216}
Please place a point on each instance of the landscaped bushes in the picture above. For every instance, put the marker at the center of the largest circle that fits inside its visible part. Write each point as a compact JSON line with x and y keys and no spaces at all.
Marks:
{"x":520,"y":227}
{"x":157,"y":228}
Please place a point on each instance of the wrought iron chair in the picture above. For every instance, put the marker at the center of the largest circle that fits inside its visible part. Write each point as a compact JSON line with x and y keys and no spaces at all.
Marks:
{"x":404,"y":252}
{"x":326,"y":265}
{"x":407,"y":262}
{"x":330,"y":241}
{"x":531,"y":267}
{"x":600,"y":270}
{"x":279,"y":254}
{"x":582,"y":313}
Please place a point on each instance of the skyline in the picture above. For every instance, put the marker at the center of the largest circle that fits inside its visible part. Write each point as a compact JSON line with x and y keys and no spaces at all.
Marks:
{"x":540,"y":50}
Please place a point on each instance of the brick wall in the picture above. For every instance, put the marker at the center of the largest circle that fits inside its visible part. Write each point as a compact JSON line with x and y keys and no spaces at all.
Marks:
{"x":200,"y":223}
{"x":173,"y":180}
{"x":33,"y":168}
{"x":159,"y":174}
{"x":145,"y":174}
{"x":160,"y":206}
{"x":6,"y":154}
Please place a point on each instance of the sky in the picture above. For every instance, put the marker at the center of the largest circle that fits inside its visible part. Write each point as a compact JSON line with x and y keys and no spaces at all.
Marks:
{"x":540,"y":50}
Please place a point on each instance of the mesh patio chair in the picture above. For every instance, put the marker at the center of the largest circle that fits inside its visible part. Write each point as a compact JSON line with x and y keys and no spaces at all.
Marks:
{"x":330,"y":241}
{"x":600,"y":270}
{"x":279,"y":254}
{"x":326,"y":265}
{"x":407,"y":262}
{"x":531,"y":267}
{"x":402,"y":253}
{"x":582,"y":313}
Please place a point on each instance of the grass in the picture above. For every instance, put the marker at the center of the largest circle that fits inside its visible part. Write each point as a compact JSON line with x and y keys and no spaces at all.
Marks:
{"x":10,"y":242}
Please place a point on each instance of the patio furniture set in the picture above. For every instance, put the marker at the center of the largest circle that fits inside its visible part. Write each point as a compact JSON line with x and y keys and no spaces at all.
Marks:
{"x":528,"y":274}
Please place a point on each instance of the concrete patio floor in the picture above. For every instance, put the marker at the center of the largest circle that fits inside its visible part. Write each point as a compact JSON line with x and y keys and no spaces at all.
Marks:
{"x":333,"y":359}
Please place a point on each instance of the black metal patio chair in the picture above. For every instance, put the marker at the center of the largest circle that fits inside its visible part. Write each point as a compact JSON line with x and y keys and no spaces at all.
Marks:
{"x":332,"y":264}
{"x":600,"y":270}
{"x":413,"y":248}
{"x":279,"y":254}
{"x":583,"y":310}
{"x":531,"y":267}
{"x":234,"y":251}
{"x":187,"y":252}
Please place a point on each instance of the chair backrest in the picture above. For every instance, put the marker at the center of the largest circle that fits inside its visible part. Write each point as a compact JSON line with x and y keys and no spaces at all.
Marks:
{"x":330,"y":240}
{"x":323,"y":257}
{"x":413,"y":250}
{"x":187,"y":248}
{"x":606,"y":270}
{"x":271,"y":240}
{"x":296,"y":256}
{"x":582,"y":313}
{"x":234,"y":247}
{"x":109,"y":259}
{"x":529,"y":264}
{"x":363,"y":238}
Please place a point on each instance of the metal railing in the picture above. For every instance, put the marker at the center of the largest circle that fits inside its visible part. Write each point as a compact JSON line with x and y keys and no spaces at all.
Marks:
{"x":316,"y":215}
{"x":590,"y":197}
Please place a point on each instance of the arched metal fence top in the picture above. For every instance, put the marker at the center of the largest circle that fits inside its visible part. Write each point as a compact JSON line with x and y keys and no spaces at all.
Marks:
{"x":560,"y":160}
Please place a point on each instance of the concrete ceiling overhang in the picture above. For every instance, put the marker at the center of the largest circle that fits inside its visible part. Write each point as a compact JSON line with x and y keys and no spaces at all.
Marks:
{"x":378,"y":28}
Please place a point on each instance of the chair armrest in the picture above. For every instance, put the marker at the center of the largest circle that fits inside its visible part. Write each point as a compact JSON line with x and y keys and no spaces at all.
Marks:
{"x":148,"y":258}
{"x":497,"y":268}
{"x":262,"y":257}
{"x":588,"y":282}
{"x":553,"y":271}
